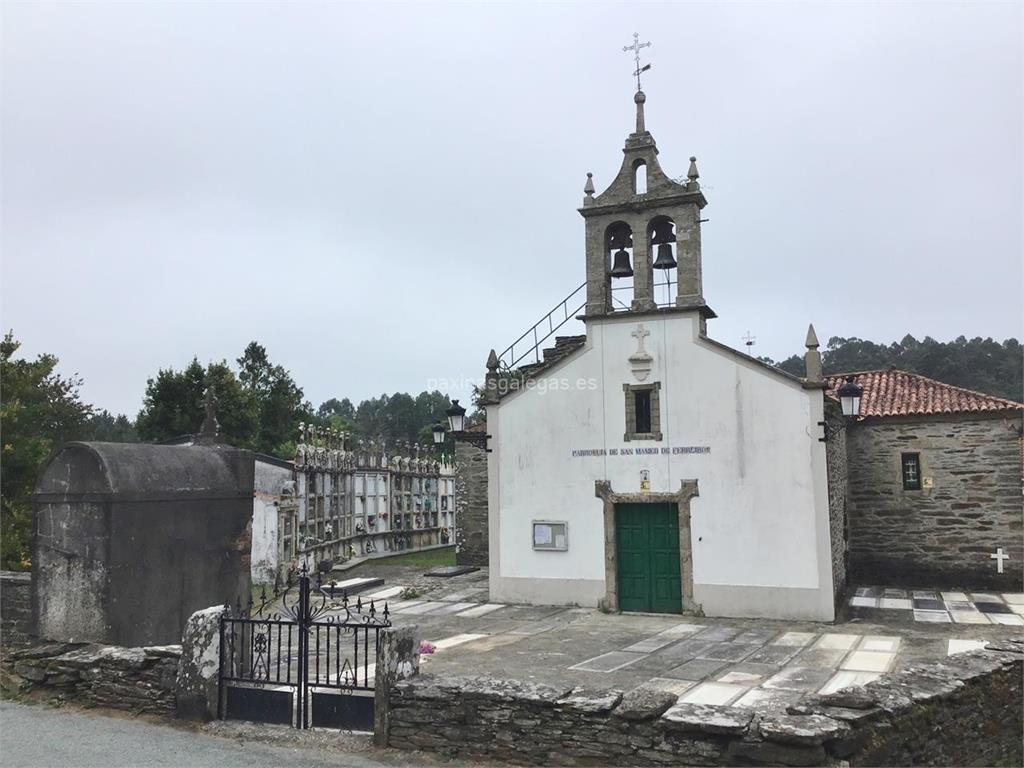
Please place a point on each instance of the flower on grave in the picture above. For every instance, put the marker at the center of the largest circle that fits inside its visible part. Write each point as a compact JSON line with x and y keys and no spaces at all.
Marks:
{"x":426,"y":648}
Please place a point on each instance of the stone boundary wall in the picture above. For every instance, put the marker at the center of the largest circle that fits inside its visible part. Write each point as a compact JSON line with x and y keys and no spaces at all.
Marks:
{"x":962,"y":710}
{"x":837,"y":468}
{"x":135,"y":679}
{"x":17,"y":627}
{"x":471,"y":523}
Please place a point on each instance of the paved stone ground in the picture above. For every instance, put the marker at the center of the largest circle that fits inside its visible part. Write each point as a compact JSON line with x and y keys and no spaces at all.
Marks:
{"x":745,"y":663}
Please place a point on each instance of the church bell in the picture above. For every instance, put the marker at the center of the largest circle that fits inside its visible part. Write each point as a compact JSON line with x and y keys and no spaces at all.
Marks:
{"x":664,"y":260}
{"x":621,"y":266}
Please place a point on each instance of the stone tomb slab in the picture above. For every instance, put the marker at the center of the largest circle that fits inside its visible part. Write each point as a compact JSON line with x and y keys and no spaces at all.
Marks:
{"x":763,"y":671}
{"x":728,"y":652}
{"x":799,"y":678}
{"x":422,"y":608}
{"x":774,"y":654}
{"x":932,"y":617}
{"x":448,"y":571}
{"x":960,"y":646}
{"x":821,"y":657}
{"x":686,"y":650}
{"x":481,"y":610}
{"x":986,"y":607}
{"x":847,"y":679}
{"x":754,"y":637}
{"x":712,"y":693}
{"x":697,"y":669}
{"x":650,"y":644}
{"x":609,"y":662}
{"x":868,"y":661}
{"x":1008,"y":619}
{"x":678,"y":687}
{"x":928,"y":604}
{"x":386,"y":594}
{"x":768,"y":699}
{"x":836,"y":642}
{"x":719,"y":634}
{"x":899,"y":603}
{"x":680,"y":630}
{"x":455,"y":607}
{"x":795,"y":639}
{"x":352,"y":586}
{"x":969,"y":617}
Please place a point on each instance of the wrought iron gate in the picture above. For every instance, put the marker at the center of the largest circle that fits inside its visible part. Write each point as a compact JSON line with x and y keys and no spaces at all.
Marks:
{"x":301,"y":657}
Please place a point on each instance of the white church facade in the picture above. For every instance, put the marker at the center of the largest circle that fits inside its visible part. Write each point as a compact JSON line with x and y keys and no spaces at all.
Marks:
{"x":644,"y":466}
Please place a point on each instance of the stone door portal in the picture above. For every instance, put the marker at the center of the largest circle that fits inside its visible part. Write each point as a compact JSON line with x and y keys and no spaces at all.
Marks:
{"x":648,"y":560}
{"x":647,"y":540}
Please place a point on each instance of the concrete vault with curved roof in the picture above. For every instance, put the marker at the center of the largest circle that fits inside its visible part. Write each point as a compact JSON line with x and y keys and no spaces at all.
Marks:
{"x":132,"y":538}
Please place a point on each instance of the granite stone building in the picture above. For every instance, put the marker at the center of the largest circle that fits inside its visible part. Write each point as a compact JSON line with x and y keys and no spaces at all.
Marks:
{"x":934,"y":492}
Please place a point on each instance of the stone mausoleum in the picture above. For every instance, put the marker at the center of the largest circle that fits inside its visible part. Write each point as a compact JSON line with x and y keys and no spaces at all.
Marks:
{"x":132,"y":538}
{"x":645,"y":466}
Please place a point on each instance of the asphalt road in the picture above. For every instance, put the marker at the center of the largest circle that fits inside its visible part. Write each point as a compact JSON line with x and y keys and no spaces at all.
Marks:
{"x":38,"y":737}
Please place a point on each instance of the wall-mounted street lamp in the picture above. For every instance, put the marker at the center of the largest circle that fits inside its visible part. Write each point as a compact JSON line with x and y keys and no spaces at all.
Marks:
{"x":849,"y":397}
{"x":456,"y":418}
{"x":457,"y":425}
{"x":438,"y":430}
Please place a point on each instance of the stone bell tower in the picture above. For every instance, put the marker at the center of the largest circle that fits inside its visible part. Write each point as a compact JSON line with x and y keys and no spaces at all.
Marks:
{"x":643,"y":221}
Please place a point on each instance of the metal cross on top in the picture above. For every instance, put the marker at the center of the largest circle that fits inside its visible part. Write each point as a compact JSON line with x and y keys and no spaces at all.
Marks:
{"x":635,"y":48}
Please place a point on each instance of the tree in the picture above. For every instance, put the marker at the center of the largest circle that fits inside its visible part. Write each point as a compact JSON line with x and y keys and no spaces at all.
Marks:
{"x":984,"y":365}
{"x":276,"y":398}
{"x":107,"y":428}
{"x":39,"y":410}
{"x":173,"y":404}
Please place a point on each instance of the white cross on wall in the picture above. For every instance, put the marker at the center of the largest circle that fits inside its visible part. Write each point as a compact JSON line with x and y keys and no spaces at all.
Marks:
{"x":999,"y":556}
{"x":640,"y":334}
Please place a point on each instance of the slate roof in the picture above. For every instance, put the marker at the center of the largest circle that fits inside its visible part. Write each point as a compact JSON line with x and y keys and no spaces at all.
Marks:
{"x":893,"y":392}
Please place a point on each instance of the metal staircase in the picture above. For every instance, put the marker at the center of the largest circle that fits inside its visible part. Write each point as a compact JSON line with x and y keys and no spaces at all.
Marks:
{"x":530,"y":342}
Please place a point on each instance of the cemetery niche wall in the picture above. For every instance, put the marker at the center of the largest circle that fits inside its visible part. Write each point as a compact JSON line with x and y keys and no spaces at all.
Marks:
{"x":354,"y":498}
{"x":130,"y":539}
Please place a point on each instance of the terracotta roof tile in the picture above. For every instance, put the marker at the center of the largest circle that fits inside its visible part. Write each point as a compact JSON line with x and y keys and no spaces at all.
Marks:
{"x":899,"y":393}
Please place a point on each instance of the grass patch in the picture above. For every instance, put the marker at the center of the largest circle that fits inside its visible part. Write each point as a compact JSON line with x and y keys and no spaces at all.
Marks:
{"x":432,"y":558}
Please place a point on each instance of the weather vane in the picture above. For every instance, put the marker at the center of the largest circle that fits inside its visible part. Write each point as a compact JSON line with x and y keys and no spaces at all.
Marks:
{"x":635,"y":48}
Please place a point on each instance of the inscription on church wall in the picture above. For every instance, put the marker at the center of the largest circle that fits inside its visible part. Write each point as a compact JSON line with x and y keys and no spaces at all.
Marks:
{"x":578,"y":453}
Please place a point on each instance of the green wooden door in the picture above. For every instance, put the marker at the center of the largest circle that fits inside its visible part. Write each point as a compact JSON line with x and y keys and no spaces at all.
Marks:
{"x":647,"y":548}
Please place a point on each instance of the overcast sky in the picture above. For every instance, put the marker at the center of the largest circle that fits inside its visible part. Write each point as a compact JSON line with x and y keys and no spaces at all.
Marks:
{"x":381,"y":193}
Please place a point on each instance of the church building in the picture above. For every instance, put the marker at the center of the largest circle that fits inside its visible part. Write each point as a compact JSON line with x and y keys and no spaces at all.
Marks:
{"x":645,"y":466}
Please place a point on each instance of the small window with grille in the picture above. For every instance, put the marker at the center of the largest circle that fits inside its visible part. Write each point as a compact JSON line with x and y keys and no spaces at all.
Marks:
{"x":643,"y":411}
{"x":911,"y":463}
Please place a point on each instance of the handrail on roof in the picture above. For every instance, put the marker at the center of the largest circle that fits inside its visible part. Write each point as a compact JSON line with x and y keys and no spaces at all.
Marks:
{"x":510,"y":357}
